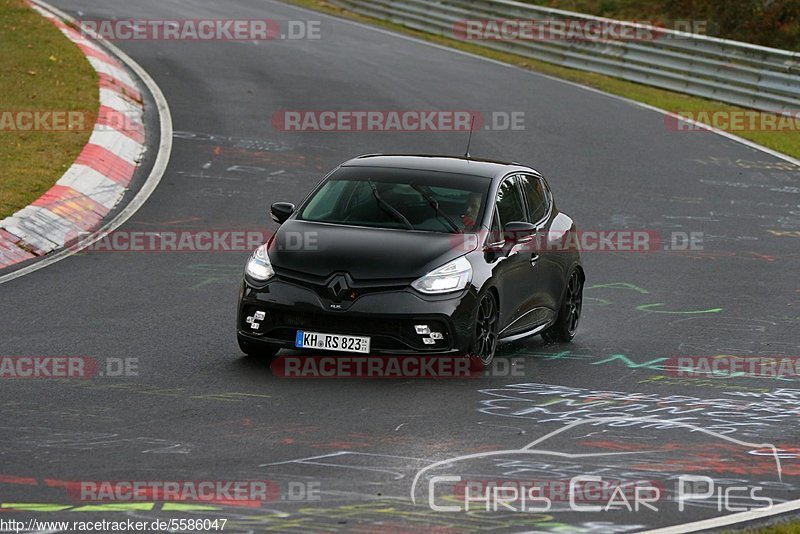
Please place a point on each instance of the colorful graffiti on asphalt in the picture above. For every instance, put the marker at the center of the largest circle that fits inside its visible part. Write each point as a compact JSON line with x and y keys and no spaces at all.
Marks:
{"x":746,"y":413}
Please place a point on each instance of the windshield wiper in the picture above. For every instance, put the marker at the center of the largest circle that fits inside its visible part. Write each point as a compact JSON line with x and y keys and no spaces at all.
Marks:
{"x":387,"y":207}
{"x":435,"y":205}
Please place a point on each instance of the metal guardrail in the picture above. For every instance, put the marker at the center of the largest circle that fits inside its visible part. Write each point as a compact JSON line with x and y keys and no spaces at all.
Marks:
{"x":743,"y":74}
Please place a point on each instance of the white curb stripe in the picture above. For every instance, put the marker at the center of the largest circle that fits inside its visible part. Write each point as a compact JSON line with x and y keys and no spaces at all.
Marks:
{"x":42,"y":12}
{"x":119,"y":144}
{"x":111,"y":70}
{"x":94,"y":185}
{"x":116,"y":101}
{"x":40,"y":228}
{"x":43,"y":230}
{"x":71,"y":35}
{"x":150,"y":184}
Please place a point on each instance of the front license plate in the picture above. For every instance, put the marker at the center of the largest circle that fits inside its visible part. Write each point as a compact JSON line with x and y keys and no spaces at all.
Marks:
{"x":316,"y":340}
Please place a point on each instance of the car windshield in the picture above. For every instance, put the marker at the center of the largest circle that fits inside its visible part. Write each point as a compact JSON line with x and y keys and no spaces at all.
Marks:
{"x":399,"y":198}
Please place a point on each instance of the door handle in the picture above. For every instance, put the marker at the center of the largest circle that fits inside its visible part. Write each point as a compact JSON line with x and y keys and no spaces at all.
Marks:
{"x":534,"y":259}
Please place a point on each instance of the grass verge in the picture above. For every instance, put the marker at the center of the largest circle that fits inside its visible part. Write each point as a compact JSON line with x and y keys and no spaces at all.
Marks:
{"x":786,"y":528}
{"x":787,"y":140}
{"x":42,"y":70}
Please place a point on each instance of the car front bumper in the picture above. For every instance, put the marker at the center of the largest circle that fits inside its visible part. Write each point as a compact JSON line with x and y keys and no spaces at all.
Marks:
{"x":395,"y":320}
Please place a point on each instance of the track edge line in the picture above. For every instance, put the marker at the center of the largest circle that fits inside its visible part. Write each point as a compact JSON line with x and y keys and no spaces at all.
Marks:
{"x":153,"y":179}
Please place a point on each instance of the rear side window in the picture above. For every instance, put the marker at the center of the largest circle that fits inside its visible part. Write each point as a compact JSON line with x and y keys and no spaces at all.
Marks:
{"x":535,"y":196}
{"x":509,"y":202}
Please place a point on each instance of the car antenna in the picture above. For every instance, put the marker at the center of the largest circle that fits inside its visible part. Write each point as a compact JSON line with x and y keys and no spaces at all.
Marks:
{"x":469,"y":142}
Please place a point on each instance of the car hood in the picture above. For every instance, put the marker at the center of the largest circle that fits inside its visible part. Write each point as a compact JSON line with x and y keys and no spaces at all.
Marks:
{"x":320,"y":249}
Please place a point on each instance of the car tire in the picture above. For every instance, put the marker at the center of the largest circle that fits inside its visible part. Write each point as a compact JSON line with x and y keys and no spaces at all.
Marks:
{"x":258,"y":350}
{"x":563,"y":330}
{"x":485,"y":331}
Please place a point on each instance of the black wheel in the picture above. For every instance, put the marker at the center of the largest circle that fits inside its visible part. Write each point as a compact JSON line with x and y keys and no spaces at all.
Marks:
{"x":484,"y":340}
{"x":569,"y":315}
{"x":257,"y":350}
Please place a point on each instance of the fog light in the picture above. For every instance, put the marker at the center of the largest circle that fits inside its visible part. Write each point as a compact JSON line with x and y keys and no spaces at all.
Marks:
{"x":422,"y":329}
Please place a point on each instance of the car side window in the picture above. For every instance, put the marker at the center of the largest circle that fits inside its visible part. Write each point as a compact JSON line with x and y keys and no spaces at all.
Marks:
{"x":509,"y":202}
{"x":535,"y":196}
{"x":496,"y":232}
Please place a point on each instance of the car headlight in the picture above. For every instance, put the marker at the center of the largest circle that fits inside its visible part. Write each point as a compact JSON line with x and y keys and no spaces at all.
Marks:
{"x":258,"y":267}
{"x":453,"y":276}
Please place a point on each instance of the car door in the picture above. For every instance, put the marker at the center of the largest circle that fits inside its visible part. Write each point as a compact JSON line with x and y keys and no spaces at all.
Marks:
{"x":548,"y":262}
{"x":520,"y":299}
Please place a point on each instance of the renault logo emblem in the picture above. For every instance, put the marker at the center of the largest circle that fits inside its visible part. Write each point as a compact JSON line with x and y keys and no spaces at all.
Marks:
{"x":338,"y":287}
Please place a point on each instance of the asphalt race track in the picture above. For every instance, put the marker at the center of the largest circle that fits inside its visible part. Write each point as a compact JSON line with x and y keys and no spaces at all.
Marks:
{"x":199,"y":410}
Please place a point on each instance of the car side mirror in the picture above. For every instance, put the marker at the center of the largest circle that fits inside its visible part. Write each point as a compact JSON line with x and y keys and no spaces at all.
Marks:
{"x":518,"y":232}
{"x":280,"y":211}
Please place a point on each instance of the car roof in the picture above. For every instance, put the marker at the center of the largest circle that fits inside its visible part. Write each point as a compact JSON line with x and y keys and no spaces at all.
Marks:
{"x":460,"y":165}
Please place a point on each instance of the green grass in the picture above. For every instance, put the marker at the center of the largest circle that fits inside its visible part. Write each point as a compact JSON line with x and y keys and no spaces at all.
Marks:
{"x":40,"y":69}
{"x":775,"y":23}
{"x":788,"y":528}
{"x":787,"y":141}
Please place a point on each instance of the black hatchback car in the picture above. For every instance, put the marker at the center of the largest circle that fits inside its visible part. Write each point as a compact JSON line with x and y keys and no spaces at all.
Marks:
{"x":414,"y":255}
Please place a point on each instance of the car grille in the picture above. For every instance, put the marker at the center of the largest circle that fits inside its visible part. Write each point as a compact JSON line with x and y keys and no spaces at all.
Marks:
{"x":318,"y":284}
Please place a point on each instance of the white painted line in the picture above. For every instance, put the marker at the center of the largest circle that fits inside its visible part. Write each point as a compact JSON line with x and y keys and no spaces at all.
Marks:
{"x":156,"y":174}
{"x":732,"y":519}
{"x":728,"y":520}
{"x":42,"y":227}
{"x":44,"y":13}
{"x":727,"y":135}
